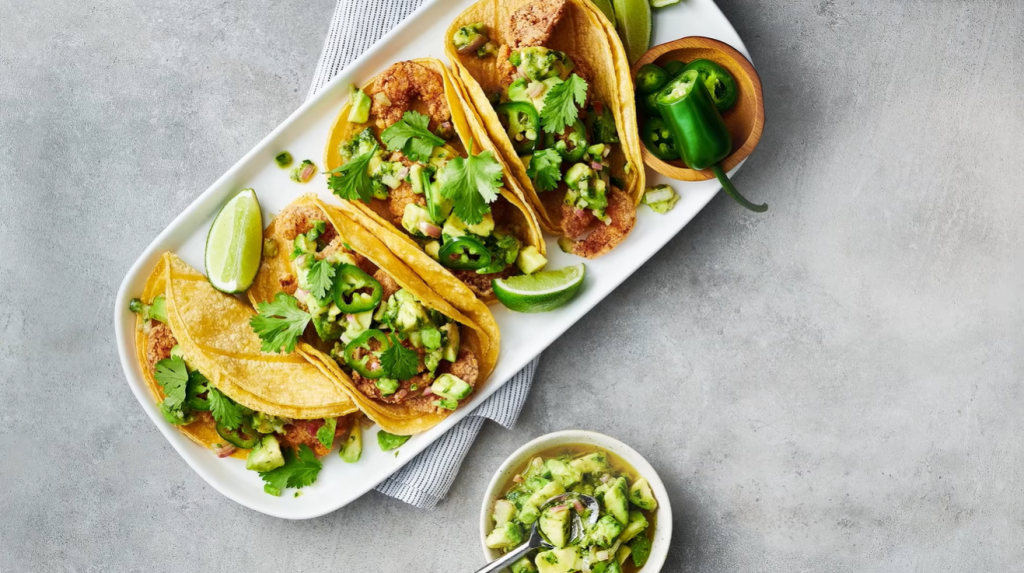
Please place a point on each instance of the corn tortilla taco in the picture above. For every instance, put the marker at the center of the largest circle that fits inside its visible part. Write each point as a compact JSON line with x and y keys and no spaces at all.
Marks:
{"x":403,"y":353}
{"x":413,"y":163}
{"x":550,"y":81}
{"x":203,"y":363}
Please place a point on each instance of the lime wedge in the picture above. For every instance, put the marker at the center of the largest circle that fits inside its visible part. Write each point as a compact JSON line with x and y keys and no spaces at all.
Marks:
{"x":606,"y":7}
{"x":540,"y":292}
{"x":235,"y":244}
{"x":634,"y":26}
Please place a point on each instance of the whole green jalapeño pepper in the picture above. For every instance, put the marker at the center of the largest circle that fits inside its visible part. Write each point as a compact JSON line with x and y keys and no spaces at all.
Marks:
{"x":720,"y":83}
{"x":362,"y":364}
{"x":658,"y":140}
{"x":699,"y":131}
{"x":464,"y":253}
{"x":347,"y":290}
{"x":522,"y":122}
{"x":571,"y":144}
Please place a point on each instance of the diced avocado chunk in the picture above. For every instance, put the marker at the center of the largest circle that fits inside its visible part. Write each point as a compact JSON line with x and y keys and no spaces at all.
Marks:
{"x":352,"y":450}
{"x":531,"y":507}
{"x":265,"y":456}
{"x":539,"y":63}
{"x":661,"y":198}
{"x":517,"y":90}
{"x":506,"y":536}
{"x":558,"y":561}
{"x":360,"y":143}
{"x":615,"y":500}
{"x":622,"y":554}
{"x":641,"y":496}
{"x":504,"y":512}
{"x":641,"y":550}
{"x":484,"y":228}
{"x":577,"y":174}
{"x":415,"y":178}
{"x":413,"y":216}
{"x":453,"y":227}
{"x":605,"y":531}
{"x":637,"y":523}
{"x":451,"y":348}
{"x":536,"y":467}
{"x":530,"y":260}
{"x":563,"y":473}
{"x":360,"y":111}
{"x":524,"y":565}
{"x":411,"y":314}
{"x":451,"y":387}
{"x":433,"y":248}
{"x":554,"y":524}
{"x":176,"y":352}
{"x":595,"y":462}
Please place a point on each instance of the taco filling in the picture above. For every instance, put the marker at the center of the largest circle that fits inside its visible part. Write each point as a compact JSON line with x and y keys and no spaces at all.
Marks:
{"x":410,"y":167}
{"x":566,"y":139}
{"x":395,"y":349}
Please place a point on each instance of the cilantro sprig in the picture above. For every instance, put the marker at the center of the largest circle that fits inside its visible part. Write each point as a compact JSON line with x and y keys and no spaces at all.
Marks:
{"x":352,"y":180}
{"x":471,"y":183}
{"x":225,"y":411}
{"x":560,"y":104}
{"x":297,"y":472}
{"x":545,"y":169}
{"x":321,"y":277}
{"x":279,"y":323}
{"x":172,"y":375}
{"x":398,"y":361}
{"x":411,"y":135}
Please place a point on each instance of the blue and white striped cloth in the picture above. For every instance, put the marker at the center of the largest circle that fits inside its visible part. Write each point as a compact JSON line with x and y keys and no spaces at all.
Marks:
{"x":424,"y":481}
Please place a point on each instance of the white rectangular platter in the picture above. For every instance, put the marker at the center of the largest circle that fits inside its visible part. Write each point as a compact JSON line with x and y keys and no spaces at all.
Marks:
{"x":523,"y":336}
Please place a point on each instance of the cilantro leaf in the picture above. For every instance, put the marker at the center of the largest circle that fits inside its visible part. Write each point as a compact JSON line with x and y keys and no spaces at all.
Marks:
{"x":351,"y":181}
{"x":471,"y":183}
{"x":411,"y":135}
{"x":321,"y":277}
{"x":296,"y":472}
{"x":560,"y":104}
{"x":326,"y":432}
{"x":398,"y":361}
{"x":225,"y":411}
{"x":172,"y":375}
{"x":280,"y":323}
{"x":197,"y":384}
{"x":545,"y":169}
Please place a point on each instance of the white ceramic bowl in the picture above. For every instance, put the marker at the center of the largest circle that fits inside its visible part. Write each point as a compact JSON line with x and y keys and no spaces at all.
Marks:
{"x":663,"y":515}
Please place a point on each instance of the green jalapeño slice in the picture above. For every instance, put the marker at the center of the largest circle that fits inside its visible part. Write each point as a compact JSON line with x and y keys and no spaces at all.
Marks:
{"x":464,"y":253}
{"x":361,"y":347}
{"x":349,"y":289}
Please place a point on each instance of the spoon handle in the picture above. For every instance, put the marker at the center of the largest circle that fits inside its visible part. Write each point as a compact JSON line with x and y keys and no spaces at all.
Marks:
{"x":507,"y":559}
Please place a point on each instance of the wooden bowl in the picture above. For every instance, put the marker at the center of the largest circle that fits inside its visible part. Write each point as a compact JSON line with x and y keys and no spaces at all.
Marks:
{"x":745,"y":120}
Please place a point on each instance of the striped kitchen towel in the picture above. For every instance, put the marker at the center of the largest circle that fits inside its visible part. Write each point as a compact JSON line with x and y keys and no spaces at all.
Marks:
{"x":424,"y":481}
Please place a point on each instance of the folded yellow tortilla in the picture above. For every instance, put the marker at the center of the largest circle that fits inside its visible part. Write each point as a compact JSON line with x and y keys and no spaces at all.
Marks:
{"x":479,"y":330}
{"x":586,"y":36}
{"x":375,"y":216}
{"x":212,"y":329}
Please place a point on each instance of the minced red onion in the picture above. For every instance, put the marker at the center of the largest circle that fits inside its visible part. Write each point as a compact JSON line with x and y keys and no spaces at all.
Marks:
{"x":402,"y":172}
{"x":225,"y":451}
{"x":430,"y":229}
{"x":580,"y":212}
{"x":559,"y":508}
{"x":301,"y":294}
{"x":578,"y":505}
{"x":428,"y":391}
{"x":596,"y":165}
{"x":307,"y":172}
{"x":535,"y":89}
{"x":351,"y":318}
{"x":518,"y":478}
{"x":382,"y":99}
{"x":605,"y":478}
{"x":472,"y":46}
{"x":607,"y":151}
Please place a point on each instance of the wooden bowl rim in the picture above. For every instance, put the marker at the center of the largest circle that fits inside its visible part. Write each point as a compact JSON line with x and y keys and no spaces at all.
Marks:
{"x":683,"y":173}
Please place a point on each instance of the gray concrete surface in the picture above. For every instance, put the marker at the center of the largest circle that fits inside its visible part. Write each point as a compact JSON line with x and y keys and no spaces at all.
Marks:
{"x":832,"y":386}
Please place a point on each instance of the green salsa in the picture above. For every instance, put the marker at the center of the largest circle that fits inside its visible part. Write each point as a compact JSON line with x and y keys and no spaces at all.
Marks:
{"x":618,"y":541}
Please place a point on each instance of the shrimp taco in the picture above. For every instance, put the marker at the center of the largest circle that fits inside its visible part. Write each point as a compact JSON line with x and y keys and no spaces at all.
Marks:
{"x":332,"y":289}
{"x":204,"y":365}
{"x":414,"y":165}
{"x":550,"y":80}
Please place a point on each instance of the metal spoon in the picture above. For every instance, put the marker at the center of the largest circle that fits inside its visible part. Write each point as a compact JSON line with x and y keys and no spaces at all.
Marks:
{"x":537,"y":540}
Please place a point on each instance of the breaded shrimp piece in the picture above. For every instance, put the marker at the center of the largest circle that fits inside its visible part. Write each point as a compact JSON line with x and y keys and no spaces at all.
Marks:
{"x":605,"y":237}
{"x":401,"y":85}
{"x":532,"y":24}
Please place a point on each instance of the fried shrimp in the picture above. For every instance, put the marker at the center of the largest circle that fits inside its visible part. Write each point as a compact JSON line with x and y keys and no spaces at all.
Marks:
{"x":532,"y":24}
{"x":404,"y":83}
{"x":605,"y":237}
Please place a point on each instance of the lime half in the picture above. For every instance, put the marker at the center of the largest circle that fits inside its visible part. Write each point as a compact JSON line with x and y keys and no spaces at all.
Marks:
{"x":634,"y":26}
{"x":235,"y":244}
{"x":540,"y":292}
